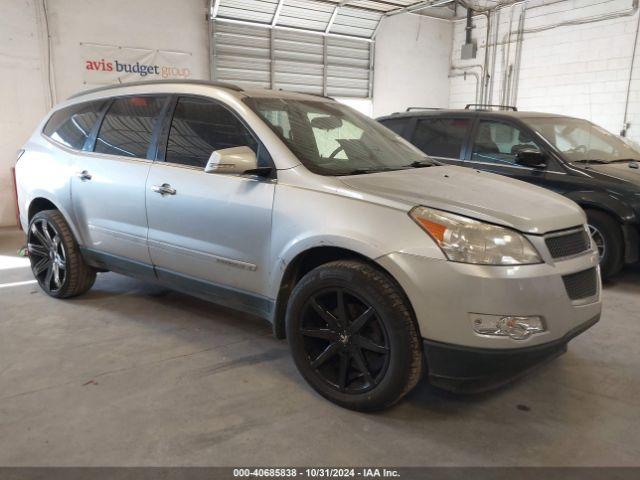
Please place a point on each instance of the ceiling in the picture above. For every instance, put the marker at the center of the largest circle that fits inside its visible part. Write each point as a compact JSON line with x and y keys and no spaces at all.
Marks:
{"x":354,"y":18}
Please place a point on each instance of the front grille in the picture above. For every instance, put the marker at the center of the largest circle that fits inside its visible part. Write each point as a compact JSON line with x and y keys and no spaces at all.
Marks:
{"x":582,"y":284}
{"x":569,"y":244}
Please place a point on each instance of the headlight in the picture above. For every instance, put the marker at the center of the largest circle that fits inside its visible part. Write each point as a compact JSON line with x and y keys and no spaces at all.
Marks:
{"x":466,"y":240}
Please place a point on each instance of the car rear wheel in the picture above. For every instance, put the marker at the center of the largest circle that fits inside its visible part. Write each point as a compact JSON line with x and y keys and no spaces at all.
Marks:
{"x":55,"y":257}
{"x":607,"y":237}
{"x":353,"y":337}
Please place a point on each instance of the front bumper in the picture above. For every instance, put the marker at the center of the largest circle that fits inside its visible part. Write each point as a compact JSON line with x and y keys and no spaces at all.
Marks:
{"x":447,"y":297}
{"x":473,"y":370}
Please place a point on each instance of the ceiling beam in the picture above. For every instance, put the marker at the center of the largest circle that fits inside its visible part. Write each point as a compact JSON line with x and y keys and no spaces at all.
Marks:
{"x":276,"y":14}
{"x":215,"y":5}
{"x":419,"y":6}
{"x":332,"y":19}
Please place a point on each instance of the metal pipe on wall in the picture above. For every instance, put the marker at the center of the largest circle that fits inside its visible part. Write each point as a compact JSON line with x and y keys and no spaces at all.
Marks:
{"x":464,"y":74}
{"x":625,"y":124}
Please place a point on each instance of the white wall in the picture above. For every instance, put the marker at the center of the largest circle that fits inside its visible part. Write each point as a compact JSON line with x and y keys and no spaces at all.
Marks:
{"x":576,"y":70}
{"x":411,"y":63}
{"x":22,"y":93}
{"x":155,"y":24}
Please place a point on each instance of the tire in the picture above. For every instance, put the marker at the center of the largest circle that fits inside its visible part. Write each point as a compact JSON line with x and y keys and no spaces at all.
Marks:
{"x":52,"y":247}
{"x":372,"y":359}
{"x":606,"y":233}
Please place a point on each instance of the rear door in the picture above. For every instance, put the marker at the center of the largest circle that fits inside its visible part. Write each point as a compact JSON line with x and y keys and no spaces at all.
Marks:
{"x":108,"y":189}
{"x":213,"y":228}
{"x":442,"y":137}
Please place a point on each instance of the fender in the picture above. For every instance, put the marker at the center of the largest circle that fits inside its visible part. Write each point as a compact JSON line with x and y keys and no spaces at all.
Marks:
{"x":606,"y":202}
{"x":47,"y":196}
{"x":369,"y":248}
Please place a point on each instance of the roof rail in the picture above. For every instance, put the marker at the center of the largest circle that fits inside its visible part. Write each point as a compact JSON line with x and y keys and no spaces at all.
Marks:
{"x":115,"y":86}
{"x":487,"y":106}
{"x":422,"y":108}
{"x":306,"y":93}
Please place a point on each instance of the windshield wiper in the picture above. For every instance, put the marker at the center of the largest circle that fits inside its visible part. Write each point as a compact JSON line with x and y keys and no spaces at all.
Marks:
{"x":624,"y":160}
{"x":421,"y":164}
{"x":595,"y":161}
{"x":605,"y":162}
{"x":361,"y":171}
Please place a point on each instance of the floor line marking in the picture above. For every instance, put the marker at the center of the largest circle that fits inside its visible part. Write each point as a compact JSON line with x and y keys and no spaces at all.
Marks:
{"x":17,"y":284}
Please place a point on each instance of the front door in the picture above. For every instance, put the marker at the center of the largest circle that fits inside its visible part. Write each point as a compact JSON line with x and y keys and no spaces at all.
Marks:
{"x":495,"y":146}
{"x":108,"y":187}
{"x":209,"y":233}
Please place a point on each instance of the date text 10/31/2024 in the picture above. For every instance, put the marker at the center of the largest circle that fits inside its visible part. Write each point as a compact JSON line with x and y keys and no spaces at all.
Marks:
{"x":319,"y":472}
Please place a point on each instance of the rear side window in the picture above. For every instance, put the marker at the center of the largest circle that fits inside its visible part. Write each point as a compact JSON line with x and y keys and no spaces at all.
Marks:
{"x":199,"y":127}
{"x":395,"y":125}
{"x":441,"y":137}
{"x":72,"y":125}
{"x":128,"y":126}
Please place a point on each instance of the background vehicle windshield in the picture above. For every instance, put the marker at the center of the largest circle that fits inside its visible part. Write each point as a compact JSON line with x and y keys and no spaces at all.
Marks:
{"x":333,"y":139}
{"x":582,"y":141}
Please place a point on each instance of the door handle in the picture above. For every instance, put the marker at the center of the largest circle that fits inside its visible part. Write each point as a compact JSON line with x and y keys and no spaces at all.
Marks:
{"x":164,"y":189}
{"x":84,"y":175}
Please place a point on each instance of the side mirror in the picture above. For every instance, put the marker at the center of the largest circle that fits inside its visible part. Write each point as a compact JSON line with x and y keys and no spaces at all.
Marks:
{"x":531,"y":158}
{"x":235,"y":160}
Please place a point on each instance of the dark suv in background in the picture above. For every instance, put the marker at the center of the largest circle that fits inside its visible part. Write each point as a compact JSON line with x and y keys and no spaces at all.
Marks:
{"x":573,"y":157}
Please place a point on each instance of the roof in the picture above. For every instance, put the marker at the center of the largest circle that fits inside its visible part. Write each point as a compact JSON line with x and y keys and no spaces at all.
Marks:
{"x":493,"y":113}
{"x":206,"y":83}
{"x":117,"y":86}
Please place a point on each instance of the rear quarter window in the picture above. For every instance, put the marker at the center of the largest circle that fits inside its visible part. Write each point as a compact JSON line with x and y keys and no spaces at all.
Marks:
{"x":72,"y":125}
{"x":396,"y":125}
{"x":441,"y":137}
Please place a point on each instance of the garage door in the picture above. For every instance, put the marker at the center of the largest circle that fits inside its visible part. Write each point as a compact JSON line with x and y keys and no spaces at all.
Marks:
{"x":258,"y":57}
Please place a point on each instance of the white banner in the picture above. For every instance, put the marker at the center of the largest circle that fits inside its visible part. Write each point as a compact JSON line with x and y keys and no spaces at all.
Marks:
{"x":107,"y":64}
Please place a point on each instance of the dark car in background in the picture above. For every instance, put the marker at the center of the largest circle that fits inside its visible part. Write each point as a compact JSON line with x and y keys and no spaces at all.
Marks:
{"x":570,"y":156}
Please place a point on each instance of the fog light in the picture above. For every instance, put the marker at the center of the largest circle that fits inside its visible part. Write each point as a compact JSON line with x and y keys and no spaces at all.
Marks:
{"x":516,"y":327}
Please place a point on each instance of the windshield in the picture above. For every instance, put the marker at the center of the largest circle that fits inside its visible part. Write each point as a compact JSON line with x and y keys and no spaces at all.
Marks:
{"x":582,"y":141}
{"x":332,"y":139}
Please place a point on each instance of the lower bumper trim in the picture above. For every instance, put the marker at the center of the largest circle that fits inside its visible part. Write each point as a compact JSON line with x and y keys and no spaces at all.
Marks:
{"x":472,"y":370}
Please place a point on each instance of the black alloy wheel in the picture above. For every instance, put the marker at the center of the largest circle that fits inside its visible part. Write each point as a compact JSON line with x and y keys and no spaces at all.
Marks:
{"x":353,"y":335}
{"x":47,"y":254}
{"x":55,"y":256}
{"x":345,"y":341}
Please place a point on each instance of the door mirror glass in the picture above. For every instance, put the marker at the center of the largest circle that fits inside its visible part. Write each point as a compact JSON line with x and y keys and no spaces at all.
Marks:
{"x":531,"y":158}
{"x":234,"y":160}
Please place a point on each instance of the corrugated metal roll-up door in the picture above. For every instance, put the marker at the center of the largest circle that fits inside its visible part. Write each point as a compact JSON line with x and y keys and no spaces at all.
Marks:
{"x":241,"y":55}
{"x":259,"y":57}
{"x":348,"y":67}
{"x":299,"y":61}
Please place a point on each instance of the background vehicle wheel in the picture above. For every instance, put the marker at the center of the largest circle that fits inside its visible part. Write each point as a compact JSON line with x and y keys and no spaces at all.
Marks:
{"x":353,"y":337}
{"x":606,"y":234}
{"x":55,"y":257}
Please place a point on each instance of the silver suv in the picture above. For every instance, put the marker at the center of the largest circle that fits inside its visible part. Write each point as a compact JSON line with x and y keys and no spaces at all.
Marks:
{"x":366,"y":254}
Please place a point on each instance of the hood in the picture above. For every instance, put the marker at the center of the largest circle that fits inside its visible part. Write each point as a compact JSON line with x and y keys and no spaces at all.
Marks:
{"x":480,"y":195}
{"x":619,"y":171}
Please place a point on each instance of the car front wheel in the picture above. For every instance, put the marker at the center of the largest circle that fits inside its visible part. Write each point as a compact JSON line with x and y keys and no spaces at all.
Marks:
{"x":606,"y":234}
{"x":353,"y":337}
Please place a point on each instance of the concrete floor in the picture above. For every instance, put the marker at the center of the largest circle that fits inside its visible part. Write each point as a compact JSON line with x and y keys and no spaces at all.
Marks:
{"x":133,"y":374}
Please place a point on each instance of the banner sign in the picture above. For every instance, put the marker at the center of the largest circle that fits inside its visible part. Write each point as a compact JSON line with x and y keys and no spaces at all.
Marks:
{"x":107,"y":64}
